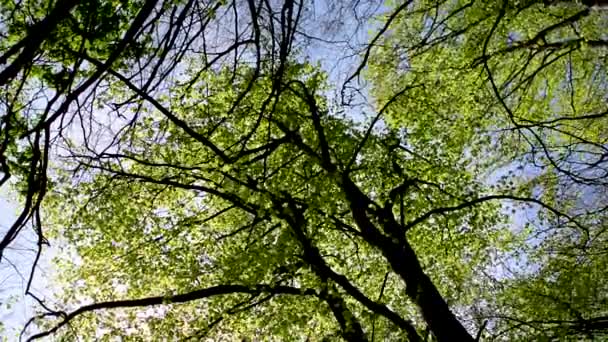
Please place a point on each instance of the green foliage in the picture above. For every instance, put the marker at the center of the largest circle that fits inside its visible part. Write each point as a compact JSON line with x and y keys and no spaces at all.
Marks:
{"x":471,"y":202}
{"x":506,"y":85}
{"x":137,"y":239}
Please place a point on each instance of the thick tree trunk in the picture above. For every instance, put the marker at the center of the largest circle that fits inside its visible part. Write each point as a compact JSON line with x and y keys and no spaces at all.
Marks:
{"x":403,"y":260}
{"x":421,"y":290}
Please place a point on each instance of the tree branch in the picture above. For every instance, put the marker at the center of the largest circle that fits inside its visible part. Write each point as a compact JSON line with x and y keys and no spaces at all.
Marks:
{"x":180,"y":298}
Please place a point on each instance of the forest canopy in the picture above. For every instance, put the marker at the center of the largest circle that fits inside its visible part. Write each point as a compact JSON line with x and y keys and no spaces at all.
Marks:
{"x":322,"y":170}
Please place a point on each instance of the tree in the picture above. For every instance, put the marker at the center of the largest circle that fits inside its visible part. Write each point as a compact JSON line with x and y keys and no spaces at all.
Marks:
{"x":210,"y":184}
{"x":524,"y":78}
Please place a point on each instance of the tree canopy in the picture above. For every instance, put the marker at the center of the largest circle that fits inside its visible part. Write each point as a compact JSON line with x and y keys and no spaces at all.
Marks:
{"x":310,"y":171}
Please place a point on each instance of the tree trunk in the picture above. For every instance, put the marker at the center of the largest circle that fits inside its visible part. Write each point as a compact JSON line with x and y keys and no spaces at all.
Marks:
{"x":421,"y":290}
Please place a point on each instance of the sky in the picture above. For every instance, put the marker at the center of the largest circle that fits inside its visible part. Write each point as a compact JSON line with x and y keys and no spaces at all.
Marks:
{"x":11,"y":281}
{"x":15,"y":309}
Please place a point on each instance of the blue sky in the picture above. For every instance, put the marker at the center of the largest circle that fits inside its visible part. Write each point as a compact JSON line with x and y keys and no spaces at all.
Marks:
{"x":15,"y":309}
